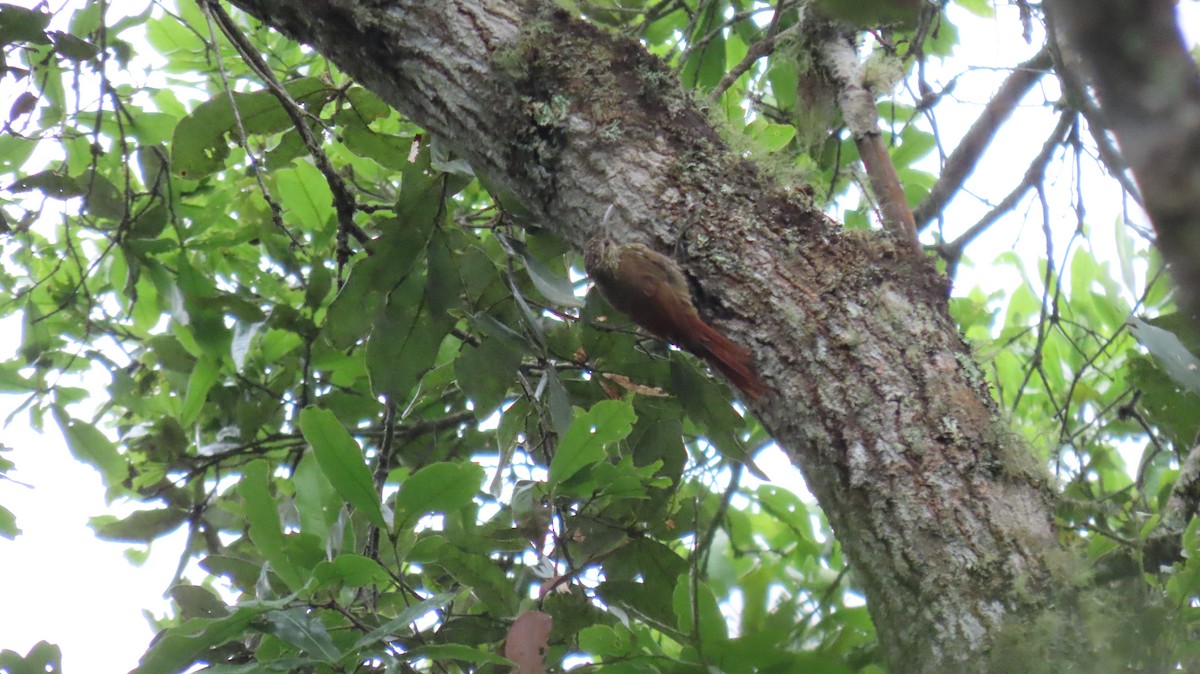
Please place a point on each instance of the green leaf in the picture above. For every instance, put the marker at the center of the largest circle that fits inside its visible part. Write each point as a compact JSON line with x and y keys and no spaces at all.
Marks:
{"x":350,"y":570}
{"x":243,"y":339}
{"x":367,"y":106}
{"x":486,"y":580}
{"x":710,"y":409}
{"x":142,"y":526}
{"x":583,"y":444}
{"x":11,"y":380}
{"x":199,"y":147}
{"x":20,"y":24}
{"x":915,"y":144}
{"x":555,"y":288}
{"x":43,"y":658}
{"x":641,"y":577}
{"x":1179,"y":363}
{"x":342,"y":461}
{"x":198,"y":602}
{"x":405,"y":340}
{"x":401,"y":625}
{"x":604,"y":640}
{"x":8,"y":524}
{"x":304,"y":630}
{"x":981,"y":8}
{"x":705,"y":65}
{"x":487,"y":372}
{"x":305,"y":196}
{"x":180,"y":646}
{"x":421,"y":199}
{"x":389,"y":151}
{"x":266,"y":531}
{"x":317,"y":502}
{"x":89,"y":445}
{"x":200,"y":382}
{"x":703,"y":605}
{"x":775,"y":137}
{"x":438,"y":487}
{"x":357,"y":305}
{"x":462,"y":652}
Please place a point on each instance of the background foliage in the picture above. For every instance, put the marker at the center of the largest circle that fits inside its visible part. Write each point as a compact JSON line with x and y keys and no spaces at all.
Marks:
{"x":401,"y":433}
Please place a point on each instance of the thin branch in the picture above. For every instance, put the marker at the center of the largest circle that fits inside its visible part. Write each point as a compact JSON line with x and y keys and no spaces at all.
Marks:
{"x":963,"y":160}
{"x":758,"y":50}
{"x":343,"y":198}
{"x":862,"y":119}
{"x":244,"y":138}
{"x":952,"y":251}
{"x":1078,"y":97}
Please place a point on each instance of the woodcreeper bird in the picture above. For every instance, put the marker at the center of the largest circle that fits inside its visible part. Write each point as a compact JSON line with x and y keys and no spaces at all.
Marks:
{"x":651,"y":289}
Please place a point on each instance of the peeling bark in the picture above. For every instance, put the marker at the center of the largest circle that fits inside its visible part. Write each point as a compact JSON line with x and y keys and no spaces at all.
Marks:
{"x":875,"y":396}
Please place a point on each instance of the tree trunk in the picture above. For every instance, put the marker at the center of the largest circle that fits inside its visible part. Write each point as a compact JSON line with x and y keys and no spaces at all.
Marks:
{"x":1148,"y":84}
{"x":875,"y":397}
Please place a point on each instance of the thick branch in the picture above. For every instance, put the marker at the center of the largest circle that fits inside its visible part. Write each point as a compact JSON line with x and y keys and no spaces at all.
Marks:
{"x":875,"y":396}
{"x":1149,"y":91}
{"x":862,"y":119}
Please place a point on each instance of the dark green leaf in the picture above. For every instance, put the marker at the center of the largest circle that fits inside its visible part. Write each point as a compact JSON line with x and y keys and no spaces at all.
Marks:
{"x":358,"y":303}
{"x":198,"y":602}
{"x":460,"y":652}
{"x":387,"y":150}
{"x":20,"y":24}
{"x":73,"y":48}
{"x":303,"y":629}
{"x":653,"y":561}
{"x":180,"y":646}
{"x":200,"y":147}
{"x":405,"y":340}
{"x":438,"y":487}
{"x":487,"y":372}
{"x":51,"y":184}
{"x":142,"y":526}
{"x":710,"y":408}
{"x":350,"y":570}
{"x":402,"y":624}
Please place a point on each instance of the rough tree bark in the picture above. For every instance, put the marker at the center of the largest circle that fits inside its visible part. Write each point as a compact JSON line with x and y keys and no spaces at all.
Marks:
{"x":874,"y":394}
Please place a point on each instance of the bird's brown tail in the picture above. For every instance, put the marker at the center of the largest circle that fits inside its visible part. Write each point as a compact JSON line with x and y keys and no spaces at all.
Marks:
{"x":728,"y":358}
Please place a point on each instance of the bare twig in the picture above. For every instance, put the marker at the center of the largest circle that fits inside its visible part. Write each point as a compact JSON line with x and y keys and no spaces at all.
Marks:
{"x":952,"y":251}
{"x":966,"y":156}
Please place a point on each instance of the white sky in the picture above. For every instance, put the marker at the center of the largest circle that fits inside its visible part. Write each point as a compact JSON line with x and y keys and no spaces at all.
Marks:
{"x":60,"y":584}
